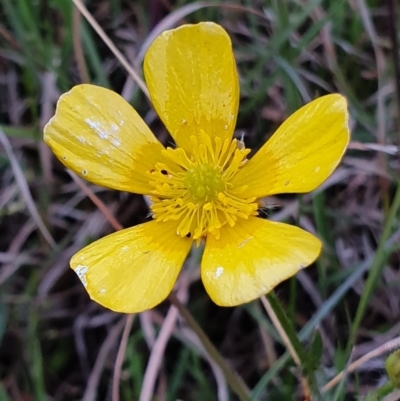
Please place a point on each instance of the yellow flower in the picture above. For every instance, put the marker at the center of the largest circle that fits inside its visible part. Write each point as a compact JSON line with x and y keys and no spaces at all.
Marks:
{"x":205,"y":187}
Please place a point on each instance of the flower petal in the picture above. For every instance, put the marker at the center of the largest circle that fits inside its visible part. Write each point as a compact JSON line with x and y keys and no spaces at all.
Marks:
{"x":97,"y":134}
{"x":193,"y":83}
{"x":252,"y":257}
{"x":134,"y":269}
{"x":302,"y":153}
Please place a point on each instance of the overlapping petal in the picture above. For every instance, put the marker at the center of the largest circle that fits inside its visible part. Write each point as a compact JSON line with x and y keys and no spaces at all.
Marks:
{"x":134,"y":269}
{"x":302,"y":153}
{"x":252,"y":257}
{"x":193,"y":83}
{"x":96,"y":133}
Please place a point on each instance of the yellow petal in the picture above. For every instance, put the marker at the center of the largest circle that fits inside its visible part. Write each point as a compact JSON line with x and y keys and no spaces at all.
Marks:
{"x":252,"y":257}
{"x":193,"y":83}
{"x":302,"y":153}
{"x":97,"y":134}
{"x":134,"y":269}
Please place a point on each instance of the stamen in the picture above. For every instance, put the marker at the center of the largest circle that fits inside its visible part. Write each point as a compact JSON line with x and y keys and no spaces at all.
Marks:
{"x":196,"y":191}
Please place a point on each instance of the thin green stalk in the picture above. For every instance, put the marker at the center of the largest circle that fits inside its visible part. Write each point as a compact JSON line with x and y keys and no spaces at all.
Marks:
{"x":235,"y":382}
{"x":303,"y":358}
{"x":390,"y":246}
{"x":286,"y":324}
{"x":288,"y":344}
{"x":326,"y":235}
{"x":380,"y":393}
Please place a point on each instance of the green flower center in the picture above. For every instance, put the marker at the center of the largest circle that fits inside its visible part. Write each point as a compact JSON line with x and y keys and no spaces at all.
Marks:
{"x":204,"y":182}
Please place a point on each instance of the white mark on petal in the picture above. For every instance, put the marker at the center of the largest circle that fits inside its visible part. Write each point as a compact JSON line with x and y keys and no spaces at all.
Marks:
{"x":96,"y":126}
{"x":225,"y":126}
{"x":244,"y":242}
{"x":116,"y":142}
{"x":125,"y":248}
{"x":317,"y":169}
{"x":102,"y":290}
{"x":81,"y":273}
{"x":114,"y":127}
{"x":102,"y":152}
{"x":218,"y":272}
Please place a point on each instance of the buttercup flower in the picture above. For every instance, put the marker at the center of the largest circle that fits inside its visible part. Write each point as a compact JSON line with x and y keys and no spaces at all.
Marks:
{"x":205,"y":188}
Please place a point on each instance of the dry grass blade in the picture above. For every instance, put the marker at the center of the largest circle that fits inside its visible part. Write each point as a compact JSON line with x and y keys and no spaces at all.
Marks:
{"x":15,"y":252}
{"x":78,"y":49}
{"x":392,"y":7}
{"x":380,"y":109}
{"x":380,"y":67}
{"x":94,"y":378}
{"x":149,"y":333}
{"x":49,"y":97}
{"x":111,"y":46}
{"x":168,"y":22}
{"x":278,"y":326}
{"x":383,"y":349}
{"x":157,"y":352}
{"x":96,"y":200}
{"x":192,"y":340}
{"x":395,"y":396}
{"x":175,"y":16}
{"x":120,"y":357}
{"x":389,"y":149}
{"x":24,"y":188}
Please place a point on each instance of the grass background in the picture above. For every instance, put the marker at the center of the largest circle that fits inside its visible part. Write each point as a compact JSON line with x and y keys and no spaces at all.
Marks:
{"x":58,"y":345}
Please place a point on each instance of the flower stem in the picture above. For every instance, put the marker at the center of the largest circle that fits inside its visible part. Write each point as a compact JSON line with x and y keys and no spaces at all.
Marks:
{"x":235,"y":382}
